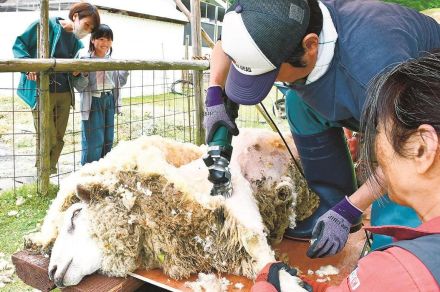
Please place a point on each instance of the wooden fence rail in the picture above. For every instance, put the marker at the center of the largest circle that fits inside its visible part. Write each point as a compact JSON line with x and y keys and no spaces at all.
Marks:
{"x":70,"y":65}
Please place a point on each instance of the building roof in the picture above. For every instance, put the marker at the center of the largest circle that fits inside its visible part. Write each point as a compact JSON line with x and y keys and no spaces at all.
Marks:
{"x":164,"y":10}
{"x":160,"y":9}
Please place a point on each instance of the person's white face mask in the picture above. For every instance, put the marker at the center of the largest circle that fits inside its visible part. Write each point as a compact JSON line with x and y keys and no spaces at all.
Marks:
{"x":78,"y":31}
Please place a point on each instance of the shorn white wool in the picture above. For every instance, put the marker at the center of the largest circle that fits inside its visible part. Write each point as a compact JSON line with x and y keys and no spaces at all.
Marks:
{"x":260,"y":163}
{"x":327,"y":270}
{"x":212,"y":283}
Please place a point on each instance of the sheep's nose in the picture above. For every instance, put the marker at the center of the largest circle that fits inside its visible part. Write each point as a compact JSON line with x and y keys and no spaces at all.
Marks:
{"x":52,"y":272}
{"x":59,"y":282}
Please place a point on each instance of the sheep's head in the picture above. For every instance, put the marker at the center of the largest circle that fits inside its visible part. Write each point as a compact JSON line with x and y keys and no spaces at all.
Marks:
{"x":75,"y":253}
{"x":99,"y":233}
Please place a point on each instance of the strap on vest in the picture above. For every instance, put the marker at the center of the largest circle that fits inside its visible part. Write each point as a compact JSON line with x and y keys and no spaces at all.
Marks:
{"x":425,"y":248}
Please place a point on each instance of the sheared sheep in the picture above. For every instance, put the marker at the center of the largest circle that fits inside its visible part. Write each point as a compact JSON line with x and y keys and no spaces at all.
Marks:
{"x":147,"y":204}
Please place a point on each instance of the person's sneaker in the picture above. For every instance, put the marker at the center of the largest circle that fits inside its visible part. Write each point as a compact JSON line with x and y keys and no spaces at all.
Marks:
{"x":302,"y":231}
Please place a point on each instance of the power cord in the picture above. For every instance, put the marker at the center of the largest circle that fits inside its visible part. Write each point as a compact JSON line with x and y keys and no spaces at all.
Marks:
{"x":285,"y":143}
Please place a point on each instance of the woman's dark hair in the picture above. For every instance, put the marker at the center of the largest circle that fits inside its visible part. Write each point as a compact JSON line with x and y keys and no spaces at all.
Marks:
{"x":84,"y":10}
{"x":400,"y":100}
{"x":315,"y":26}
{"x":102,"y":31}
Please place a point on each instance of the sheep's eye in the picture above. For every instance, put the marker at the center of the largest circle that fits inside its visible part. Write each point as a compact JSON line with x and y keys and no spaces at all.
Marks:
{"x":74,"y":214}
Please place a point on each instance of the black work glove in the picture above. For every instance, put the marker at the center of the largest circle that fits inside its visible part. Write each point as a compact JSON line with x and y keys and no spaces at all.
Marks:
{"x":268,"y":279}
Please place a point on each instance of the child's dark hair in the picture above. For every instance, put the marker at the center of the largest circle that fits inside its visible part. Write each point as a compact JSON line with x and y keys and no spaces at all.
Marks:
{"x":103,"y":31}
{"x":401,"y":100}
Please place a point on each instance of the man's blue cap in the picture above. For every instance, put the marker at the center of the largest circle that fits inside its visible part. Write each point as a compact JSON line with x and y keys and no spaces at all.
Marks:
{"x":259,"y":36}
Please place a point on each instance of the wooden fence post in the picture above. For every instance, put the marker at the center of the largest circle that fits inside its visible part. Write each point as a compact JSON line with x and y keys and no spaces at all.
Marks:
{"x":185,"y":88}
{"x":44,"y":106}
{"x":187,"y":13}
{"x":196,"y":29}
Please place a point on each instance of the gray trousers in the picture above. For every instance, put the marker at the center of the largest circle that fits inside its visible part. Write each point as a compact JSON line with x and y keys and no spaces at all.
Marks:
{"x":59,"y":116}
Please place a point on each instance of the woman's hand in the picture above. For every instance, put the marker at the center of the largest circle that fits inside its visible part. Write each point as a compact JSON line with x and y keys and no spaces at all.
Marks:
{"x":32,"y":76}
{"x":76,"y":74}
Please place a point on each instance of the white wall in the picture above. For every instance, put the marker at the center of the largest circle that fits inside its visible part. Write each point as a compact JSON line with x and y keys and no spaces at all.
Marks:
{"x":136,"y":38}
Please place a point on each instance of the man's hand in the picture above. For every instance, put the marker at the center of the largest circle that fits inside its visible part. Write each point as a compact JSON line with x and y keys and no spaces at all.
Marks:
{"x":276,"y":277}
{"x":331,"y":231}
{"x":219,"y":111}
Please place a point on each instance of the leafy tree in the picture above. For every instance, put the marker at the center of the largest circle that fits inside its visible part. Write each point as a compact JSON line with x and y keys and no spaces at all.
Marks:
{"x":415,"y":4}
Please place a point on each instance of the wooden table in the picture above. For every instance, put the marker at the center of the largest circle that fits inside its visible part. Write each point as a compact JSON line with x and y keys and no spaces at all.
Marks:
{"x":32,"y":269}
{"x":295,"y":250}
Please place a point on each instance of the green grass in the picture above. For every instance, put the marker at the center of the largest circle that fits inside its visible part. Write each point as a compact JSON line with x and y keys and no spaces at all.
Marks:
{"x":13,"y":228}
{"x":417,"y":4}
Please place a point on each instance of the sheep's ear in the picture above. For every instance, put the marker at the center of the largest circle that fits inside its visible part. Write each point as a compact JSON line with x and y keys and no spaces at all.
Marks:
{"x":83,"y":193}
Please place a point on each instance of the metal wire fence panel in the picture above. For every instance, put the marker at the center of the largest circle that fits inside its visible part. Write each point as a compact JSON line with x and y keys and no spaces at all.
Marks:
{"x":153,"y":103}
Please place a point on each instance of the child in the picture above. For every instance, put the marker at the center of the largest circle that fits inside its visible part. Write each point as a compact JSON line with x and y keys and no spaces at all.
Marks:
{"x":100,"y":98}
{"x":64,"y":39}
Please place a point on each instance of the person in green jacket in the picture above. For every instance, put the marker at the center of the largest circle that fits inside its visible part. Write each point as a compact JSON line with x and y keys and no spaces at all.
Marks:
{"x":64,"y":41}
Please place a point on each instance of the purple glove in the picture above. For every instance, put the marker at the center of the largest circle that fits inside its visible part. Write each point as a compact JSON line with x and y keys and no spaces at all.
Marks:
{"x":219,"y":111}
{"x":331,"y":231}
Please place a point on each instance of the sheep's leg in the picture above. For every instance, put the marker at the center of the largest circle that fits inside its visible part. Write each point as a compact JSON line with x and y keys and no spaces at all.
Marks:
{"x":260,"y":251}
{"x":258,"y":248}
{"x":250,"y":224}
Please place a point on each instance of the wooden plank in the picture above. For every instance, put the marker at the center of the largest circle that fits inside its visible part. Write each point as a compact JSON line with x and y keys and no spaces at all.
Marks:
{"x":295,"y":251}
{"x":32,"y":270}
{"x":158,"y":278}
{"x":100,"y":283}
{"x":345,"y":261}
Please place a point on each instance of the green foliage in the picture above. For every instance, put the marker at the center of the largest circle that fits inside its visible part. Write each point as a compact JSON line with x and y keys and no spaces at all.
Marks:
{"x":417,"y":4}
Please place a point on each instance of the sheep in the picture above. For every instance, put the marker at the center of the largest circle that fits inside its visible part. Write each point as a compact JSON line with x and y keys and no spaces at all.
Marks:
{"x":147,"y":204}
